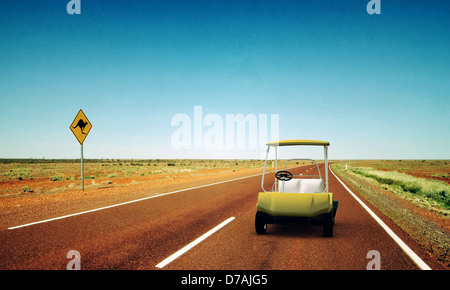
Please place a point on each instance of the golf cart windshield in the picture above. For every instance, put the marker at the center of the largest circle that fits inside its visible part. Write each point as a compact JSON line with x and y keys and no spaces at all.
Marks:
{"x":304,"y":175}
{"x":276,"y":144}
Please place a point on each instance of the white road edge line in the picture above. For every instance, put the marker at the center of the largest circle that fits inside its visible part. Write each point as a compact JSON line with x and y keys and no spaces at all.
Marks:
{"x":197,"y":241}
{"x":416,"y":259}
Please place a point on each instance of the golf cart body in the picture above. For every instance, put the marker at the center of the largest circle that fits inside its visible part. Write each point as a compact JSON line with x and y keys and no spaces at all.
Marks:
{"x":295,"y":198}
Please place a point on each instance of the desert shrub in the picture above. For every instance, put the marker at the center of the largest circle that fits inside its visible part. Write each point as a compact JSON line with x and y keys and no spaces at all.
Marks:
{"x":26,"y":189}
{"x":57,"y":177}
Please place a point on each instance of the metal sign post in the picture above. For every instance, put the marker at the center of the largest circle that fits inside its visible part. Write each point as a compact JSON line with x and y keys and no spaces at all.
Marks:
{"x":80,"y":127}
{"x":82,"y":169}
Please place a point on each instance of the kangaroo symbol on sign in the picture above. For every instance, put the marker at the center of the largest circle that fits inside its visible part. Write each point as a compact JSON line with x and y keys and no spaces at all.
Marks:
{"x":82,"y":124}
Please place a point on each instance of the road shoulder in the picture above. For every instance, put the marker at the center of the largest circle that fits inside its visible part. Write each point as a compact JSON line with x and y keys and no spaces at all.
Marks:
{"x":425,"y":227}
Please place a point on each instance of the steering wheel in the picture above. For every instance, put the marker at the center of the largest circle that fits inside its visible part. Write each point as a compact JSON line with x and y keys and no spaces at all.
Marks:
{"x":284,"y":175}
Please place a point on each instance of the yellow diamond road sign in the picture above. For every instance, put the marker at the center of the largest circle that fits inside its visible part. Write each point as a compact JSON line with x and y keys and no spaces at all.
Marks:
{"x":80,"y":126}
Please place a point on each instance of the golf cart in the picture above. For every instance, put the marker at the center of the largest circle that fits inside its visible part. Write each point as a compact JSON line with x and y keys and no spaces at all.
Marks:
{"x":295,"y":198}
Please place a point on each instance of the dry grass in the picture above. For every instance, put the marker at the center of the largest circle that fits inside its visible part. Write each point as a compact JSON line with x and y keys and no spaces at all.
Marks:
{"x":428,"y":169}
{"x":432,"y":190}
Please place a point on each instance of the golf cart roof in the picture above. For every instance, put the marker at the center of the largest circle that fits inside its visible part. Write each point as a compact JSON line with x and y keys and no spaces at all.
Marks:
{"x":298,"y":142}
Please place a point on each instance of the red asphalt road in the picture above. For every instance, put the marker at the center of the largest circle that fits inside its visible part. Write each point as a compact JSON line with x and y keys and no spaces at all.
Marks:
{"x":142,"y":234}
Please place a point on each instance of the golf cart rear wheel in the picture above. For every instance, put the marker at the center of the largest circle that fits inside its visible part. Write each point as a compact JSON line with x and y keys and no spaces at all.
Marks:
{"x":328,"y":225}
{"x":260,"y":223}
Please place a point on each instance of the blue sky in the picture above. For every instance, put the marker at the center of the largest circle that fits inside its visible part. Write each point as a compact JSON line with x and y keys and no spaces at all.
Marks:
{"x":375,"y":86}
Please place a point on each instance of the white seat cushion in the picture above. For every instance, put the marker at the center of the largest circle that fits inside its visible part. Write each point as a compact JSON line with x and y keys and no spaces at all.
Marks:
{"x":302,"y":185}
{"x":311,"y":185}
{"x":290,"y":186}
